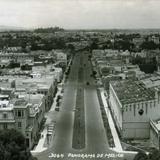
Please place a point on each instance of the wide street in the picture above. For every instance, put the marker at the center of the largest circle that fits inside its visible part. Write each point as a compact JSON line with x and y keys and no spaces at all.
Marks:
{"x":95,"y":138}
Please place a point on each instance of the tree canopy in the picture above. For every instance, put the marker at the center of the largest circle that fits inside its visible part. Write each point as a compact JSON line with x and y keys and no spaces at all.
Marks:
{"x":141,"y":156}
{"x":150,"y":45}
{"x":13,"y":146}
{"x":48,"y":30}
{"x":153,"y":155}
{"x":145,"y":65}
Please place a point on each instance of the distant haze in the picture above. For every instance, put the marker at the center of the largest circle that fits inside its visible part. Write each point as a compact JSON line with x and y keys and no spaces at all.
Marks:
{"x":80,"y":14}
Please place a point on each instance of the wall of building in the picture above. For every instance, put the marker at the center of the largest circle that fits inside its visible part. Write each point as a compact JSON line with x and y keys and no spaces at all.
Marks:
{"x":136,"y":125}
{"x":41,"y":111}
{"x":8,"y":124}
{"x":6,"y":119}
{"x":35,"y":128}
{"x":21,"y":120}
{"x":29,"y":141}
{"x":133,"y":130}
{"x":116,"y":108}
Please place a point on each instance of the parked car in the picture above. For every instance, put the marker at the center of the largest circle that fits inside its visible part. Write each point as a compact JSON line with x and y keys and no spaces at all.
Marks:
{"x":87,"y":83}
{"x":57,"y":109}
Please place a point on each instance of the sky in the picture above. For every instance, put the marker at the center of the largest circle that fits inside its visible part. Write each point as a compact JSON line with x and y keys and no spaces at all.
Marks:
{"x":81,"y":14}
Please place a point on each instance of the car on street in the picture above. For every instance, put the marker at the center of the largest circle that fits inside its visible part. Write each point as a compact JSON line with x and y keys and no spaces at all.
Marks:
{"x":57,"y":109}
{"x":75,"y":109}
{"x":87,"y":83}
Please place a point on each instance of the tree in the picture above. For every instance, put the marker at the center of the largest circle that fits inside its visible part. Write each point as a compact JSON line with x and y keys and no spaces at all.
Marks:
{"x":123,"y":45}
{"x":150,"y":45}
{"x":107,"y":45}
{"x":48,"y":30}
{"x":147,"y":65}
{"x":154,"y":155}
{"x":13,"y":146}
{"x":94,"y":73}
{"x":34,"y":46}
{"x":71,"y":47}
{"x":94,"y":45}
{"x":141,"y":156}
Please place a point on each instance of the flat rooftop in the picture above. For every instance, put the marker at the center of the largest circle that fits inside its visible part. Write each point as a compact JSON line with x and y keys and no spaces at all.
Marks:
{"x":132,"y":91}
{"x":34,"y":99}
{"x":153,"y":81}
{"x":19,"y":103}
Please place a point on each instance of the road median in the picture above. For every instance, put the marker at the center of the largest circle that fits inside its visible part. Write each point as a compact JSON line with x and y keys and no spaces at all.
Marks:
{"x":78,"y":141}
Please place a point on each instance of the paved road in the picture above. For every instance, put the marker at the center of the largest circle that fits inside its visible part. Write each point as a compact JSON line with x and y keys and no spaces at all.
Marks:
{"x":96,"y":140}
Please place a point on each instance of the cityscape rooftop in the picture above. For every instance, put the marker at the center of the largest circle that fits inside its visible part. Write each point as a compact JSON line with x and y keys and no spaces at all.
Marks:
{"x":132,"y":91}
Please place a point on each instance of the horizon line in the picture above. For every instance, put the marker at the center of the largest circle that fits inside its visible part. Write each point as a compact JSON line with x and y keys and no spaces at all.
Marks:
{"x":45,"y":27}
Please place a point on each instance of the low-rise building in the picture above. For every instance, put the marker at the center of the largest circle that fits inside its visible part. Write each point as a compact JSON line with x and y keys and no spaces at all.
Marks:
{"x":25,"y":114}
{"x":7,"y":120}
{"x":132,"y":106}
{"x":154,"y":39}
{"x":60,"y":56}
{"x":17,"y":57}
{"x":24,"y":99}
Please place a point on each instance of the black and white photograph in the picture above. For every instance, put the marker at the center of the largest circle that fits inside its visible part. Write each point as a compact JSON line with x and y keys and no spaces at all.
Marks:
{"x":79,"y":79}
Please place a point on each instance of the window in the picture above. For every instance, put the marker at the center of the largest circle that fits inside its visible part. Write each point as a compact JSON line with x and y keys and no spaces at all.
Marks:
{"x":4,"y":106}
{"x":19,"y":124}
{"x":19,"y":113}
{"x":5,"y":115}
{"x":141,"y":112}
{"x":5,"y":126}
{"x":126,"y":108}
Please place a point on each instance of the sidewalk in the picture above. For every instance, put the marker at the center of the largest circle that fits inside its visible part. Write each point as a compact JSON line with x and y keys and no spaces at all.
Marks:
{"x":40,"y":147}
{"x":41,"y":144}
{"x":118,"y":146}
{"x":111,"y":124}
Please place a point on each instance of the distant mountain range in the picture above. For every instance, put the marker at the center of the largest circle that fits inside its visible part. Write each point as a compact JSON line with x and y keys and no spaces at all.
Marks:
{"x":10,"y":28}
{"x":4,"y":28}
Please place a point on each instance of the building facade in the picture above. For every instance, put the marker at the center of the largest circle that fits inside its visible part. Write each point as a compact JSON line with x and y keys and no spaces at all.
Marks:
{"x":133,"y":106}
